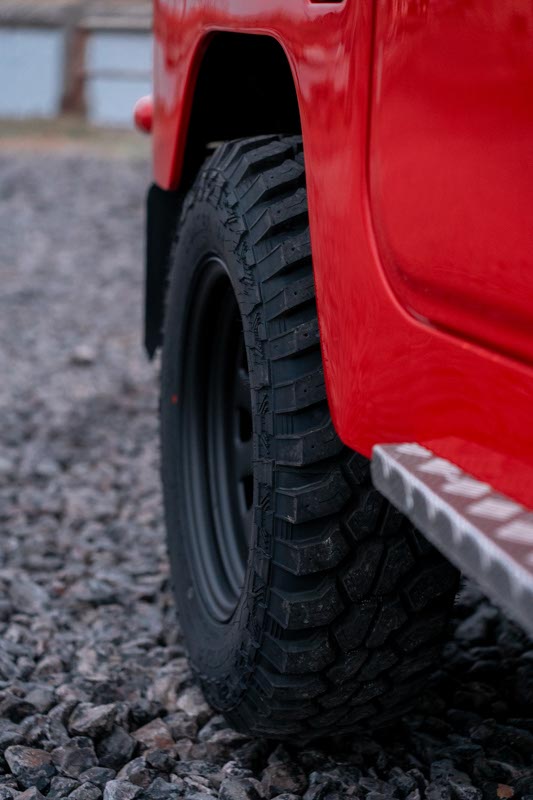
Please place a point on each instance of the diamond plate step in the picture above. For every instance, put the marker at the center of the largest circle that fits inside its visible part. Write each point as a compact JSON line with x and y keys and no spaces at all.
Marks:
{"x":487,"y":535}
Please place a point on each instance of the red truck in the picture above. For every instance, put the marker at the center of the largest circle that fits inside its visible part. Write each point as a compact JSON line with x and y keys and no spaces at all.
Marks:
{"x":339,"y":232}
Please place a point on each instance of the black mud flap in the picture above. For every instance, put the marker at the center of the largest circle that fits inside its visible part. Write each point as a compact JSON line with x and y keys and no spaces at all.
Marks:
{"x":163,"y":208}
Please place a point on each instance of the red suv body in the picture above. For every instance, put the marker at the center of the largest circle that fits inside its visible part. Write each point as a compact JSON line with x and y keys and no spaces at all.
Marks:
{"x":374,"y":157}
{"x":417,"y":123}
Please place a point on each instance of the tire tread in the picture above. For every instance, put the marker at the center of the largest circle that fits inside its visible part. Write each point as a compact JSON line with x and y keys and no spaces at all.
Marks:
{"x":367,"y":604}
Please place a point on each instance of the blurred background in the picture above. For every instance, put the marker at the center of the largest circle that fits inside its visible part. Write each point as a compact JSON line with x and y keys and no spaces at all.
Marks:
{"x":84,"y":57}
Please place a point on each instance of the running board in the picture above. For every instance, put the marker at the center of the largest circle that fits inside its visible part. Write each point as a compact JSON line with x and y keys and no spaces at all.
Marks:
{"x":487,"y":535}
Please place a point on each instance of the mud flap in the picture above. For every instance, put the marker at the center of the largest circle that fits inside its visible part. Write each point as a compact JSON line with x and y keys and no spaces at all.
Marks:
{"x":163,"y":208}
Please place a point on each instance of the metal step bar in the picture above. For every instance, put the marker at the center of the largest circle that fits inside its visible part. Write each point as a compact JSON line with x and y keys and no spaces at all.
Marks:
{"x":487,"y":535}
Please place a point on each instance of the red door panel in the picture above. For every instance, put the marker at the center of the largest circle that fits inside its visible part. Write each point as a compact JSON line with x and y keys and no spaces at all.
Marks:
{"x":450,"y":135}
{"x":451,"y":164}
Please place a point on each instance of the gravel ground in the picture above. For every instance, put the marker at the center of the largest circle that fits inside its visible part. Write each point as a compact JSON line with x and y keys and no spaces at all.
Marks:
{"x":96,"y":697}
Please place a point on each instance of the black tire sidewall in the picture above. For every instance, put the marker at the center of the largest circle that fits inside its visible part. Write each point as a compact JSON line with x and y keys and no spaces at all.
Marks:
{"x":221,"y":652}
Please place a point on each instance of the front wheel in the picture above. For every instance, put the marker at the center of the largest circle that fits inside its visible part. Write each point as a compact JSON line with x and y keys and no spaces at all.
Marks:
{"x":309,"y":605}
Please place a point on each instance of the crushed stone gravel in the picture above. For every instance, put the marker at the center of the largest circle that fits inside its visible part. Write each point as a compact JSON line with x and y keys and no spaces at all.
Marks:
{"x":96,"y":696}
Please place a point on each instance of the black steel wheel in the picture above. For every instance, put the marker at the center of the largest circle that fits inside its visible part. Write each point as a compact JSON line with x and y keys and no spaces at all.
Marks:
{"x":309,"y":605}
{"x":216,"y":439}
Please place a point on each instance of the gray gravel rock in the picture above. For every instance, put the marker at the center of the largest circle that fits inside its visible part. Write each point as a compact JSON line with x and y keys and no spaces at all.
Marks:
{"x":86,"y":791}
{"x":161,"y":760}
{"x":160,"y":789}
{"x":284,"y":777}
{"x":99,"y":776}
{"x":44,"y":731}
{"x":287,"y":796}
{"x":155,"y":735}
{"x":74,"y":757}
{"x":240,"y":789}
{"x":61,"y":787}
{"x":137,"y":772}
{"x":93,"y":670}
{"x":116,"y":749}
{"x":120,"y":790}
{"x":10,"y":734}
{"x":204,"y":773}
{"x":31,"y":767}
{"x":193,"y":704}
{"x":194,"y":794}
{"x":90,"y":720}
{"x":32,"y":793}
{"x":41,"y":697}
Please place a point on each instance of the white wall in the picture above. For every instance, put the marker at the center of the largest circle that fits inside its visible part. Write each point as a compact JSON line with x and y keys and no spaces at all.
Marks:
{"x":31,"y":72}
{"x":119,"y":67}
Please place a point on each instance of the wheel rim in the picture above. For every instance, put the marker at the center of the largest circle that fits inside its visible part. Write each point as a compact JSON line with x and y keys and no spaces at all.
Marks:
{"x":216,"y":441}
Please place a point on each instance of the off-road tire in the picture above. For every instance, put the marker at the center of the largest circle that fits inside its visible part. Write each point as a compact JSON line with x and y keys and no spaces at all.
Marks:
{"x":344,"y":604}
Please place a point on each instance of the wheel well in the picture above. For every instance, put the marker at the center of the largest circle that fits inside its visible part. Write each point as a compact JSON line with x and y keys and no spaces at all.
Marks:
{"x":244,"y":88}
